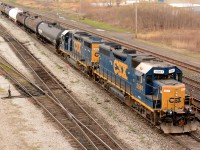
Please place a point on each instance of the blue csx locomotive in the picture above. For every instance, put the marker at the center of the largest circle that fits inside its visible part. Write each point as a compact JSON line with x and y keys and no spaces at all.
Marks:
{"x":151,"y":87}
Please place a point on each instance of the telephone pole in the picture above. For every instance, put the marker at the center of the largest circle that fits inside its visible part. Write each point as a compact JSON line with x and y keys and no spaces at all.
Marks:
{"x":80,"y":7}
{"x":136,"y":16}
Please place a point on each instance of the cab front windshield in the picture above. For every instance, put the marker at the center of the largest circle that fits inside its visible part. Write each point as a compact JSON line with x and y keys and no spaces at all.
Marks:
{"x":161,"y":76}
{"x":177,"y":76}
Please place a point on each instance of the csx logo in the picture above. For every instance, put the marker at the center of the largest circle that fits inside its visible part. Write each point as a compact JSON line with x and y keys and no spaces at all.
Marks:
{"x":120,"y":69}
{"x":77,"y":46}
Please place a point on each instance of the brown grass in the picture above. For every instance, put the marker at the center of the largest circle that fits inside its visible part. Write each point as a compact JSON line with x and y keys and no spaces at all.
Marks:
{"x":182,"y":39}
{"x":179,"y":28}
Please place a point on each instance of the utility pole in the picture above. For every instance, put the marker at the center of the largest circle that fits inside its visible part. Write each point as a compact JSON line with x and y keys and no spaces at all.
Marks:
{"x":80,"y":7}
{"x":57,"y":7}
{"x":136,"y":16}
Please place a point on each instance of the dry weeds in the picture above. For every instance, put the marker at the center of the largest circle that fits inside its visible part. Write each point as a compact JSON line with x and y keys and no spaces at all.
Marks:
{"x":160,"y":23}
{"x":183,"y":39}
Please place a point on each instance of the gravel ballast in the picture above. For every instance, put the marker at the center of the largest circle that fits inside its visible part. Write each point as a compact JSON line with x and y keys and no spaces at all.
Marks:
{"x":130,"y":128}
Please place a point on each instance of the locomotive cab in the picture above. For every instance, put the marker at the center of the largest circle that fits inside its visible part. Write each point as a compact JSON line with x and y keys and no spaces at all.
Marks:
{"x":164,"y":87}
{"x":81,"y":46}
{"x":175,"y":115}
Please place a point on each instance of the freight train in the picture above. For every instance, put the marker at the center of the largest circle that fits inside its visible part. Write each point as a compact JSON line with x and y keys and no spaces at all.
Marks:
{"x":153,"y":88}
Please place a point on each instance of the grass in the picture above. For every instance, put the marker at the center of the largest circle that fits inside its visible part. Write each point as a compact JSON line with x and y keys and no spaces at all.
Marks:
{"x":59,"y":66}
{"x":75,"y":81}
{"x":112,"y":114}
{"x":131,"y":129}
{"x":2,"y":90}
{"x":172,"y":49}
{"x":97,"y":24}
{"x":142,"y":138}
{"x":183,"y":41}
{"x":120,"y":19}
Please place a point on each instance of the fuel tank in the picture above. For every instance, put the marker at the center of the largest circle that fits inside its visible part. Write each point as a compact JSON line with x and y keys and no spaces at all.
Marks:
{"x":2,"y":7}
{"x":21,"y":17}
{"x":32,"y":23}
{"x":7,"y":10}
{"x":50,"y":31}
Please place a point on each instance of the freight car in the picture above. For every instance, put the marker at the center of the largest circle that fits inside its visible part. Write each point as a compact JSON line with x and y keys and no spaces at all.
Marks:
{"x":151,"y":87}
{"x":21,"y":17}
{"x":2,"y":8}
{"x":50,"y":32}
{"x":13,"y":13}
{"x":7,"y":10}
{"x":32,"y":22}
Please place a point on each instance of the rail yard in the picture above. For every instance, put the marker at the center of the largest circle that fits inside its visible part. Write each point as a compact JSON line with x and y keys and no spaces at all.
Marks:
{"x":94,"y":118}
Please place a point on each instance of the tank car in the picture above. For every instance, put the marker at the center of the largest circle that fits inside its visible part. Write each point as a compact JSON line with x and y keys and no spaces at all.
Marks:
{"x":2,"y":8}
{"x":51,"y":32}
{"x":7,"y":10}
{"x":32,"y":23}
{"x":13,"y":13}
{"x":21,"y":17}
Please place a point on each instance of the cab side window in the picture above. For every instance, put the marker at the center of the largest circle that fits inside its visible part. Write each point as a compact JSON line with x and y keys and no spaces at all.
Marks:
{"x":139,"y":79}
{"x":149,"y":79}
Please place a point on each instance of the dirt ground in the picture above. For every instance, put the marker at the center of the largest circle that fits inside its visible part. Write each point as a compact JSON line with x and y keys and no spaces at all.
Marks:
{"x":23,"y":126}
{"x":126,"y":124}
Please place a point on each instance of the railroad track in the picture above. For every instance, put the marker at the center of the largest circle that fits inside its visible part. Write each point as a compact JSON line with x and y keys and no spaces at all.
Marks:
{"x":60,"y":104}
{"x":196,"y":107}
{"x":81,"y":125}
{"x":128,"y":45}
{"x":189,"y":141}
{"x":56,"y":18}
{"x":193,"y":84}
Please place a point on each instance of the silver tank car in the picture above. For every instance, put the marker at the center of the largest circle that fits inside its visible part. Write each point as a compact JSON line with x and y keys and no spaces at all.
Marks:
{"x":2,"y":7}
{"x":32,"y":23}
{"x":21,"y":17}
{"x":50,"y":31}
{"x":7,"y":10}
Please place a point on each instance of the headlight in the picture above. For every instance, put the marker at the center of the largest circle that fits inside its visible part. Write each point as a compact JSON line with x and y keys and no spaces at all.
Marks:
{"x":189,"y":110}
{"x":169,"y":112}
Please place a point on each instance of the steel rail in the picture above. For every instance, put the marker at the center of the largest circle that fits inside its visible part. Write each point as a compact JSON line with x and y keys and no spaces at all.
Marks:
{"x":128,"y":45}
{"x":184,"y":143}
{"x":26,"y":90}
{"x":179,"y":142}
{"x":70,"y":115}
{"x":197,"y":138}
{"x":76,"y":102}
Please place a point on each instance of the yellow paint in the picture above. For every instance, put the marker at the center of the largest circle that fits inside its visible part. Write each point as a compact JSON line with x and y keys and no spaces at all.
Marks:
{"x":173,"y":97}
{"x":120,"y":69}
{"x":139,"y":87}
{"x":77,"y":46}
{"x":95,"y":53}
{"x":136,"y":99}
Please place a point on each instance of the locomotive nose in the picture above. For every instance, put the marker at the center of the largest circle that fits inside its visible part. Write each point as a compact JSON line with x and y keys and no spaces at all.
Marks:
{"x":173,"y":97}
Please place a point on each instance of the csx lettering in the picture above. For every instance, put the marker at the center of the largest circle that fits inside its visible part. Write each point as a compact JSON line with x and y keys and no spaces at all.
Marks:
{"x":77,"y":46}
{"x":120,"y":69}
{"x":139,"y":87}
{"x":96,"y":54}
